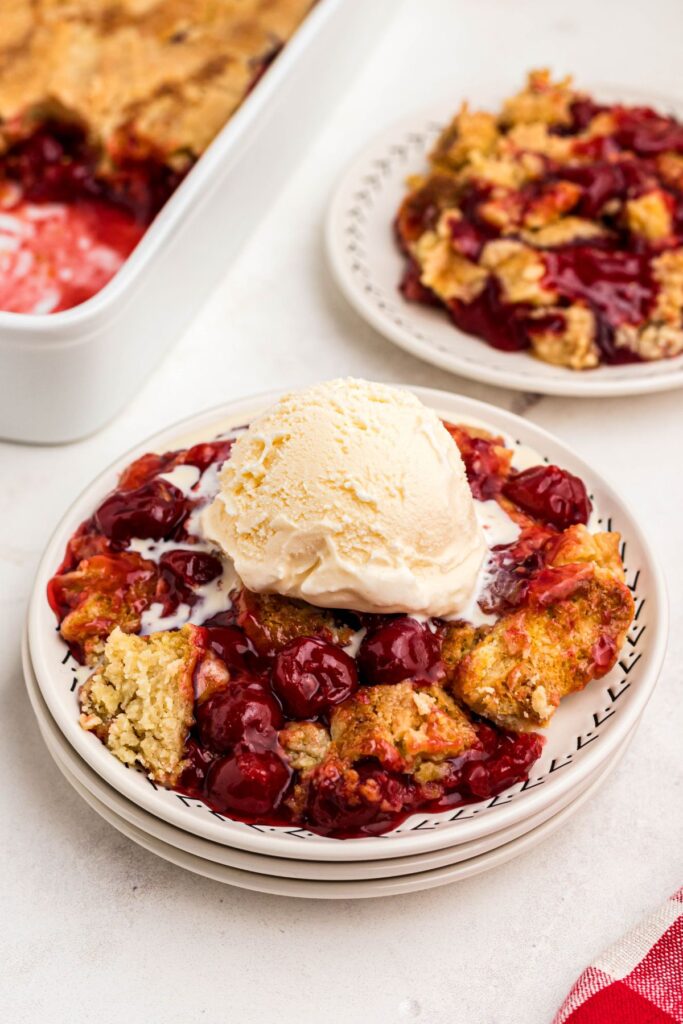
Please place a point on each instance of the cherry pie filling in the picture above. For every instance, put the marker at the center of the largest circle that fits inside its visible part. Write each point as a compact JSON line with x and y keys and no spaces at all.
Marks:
{"x":235,"y":759}
{"x":71,"y":215}
{"x":596,"y":196}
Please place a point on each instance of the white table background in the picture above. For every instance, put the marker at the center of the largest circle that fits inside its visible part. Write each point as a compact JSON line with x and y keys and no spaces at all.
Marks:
{"x":95,"y":927}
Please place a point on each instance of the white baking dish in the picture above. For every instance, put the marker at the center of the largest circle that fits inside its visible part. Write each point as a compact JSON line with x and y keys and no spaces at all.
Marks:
{"x":64,"y":375}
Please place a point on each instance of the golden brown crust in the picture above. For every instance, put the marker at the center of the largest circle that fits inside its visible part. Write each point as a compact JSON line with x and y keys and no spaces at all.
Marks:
{"x":572,"y":345}
{"x":169,"y":73}
{"x":402,"y":726}
{"x":568,"y":634}
{"x":102,"y":592}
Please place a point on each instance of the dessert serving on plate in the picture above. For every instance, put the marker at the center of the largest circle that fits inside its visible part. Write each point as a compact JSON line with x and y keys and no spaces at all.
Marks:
{"x":344,"y":612}
{"x":554,"y":225}
{"x":103,"y":110}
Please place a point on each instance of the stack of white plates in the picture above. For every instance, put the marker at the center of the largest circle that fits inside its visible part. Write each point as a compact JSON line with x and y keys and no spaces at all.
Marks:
{"x":585,"y":741}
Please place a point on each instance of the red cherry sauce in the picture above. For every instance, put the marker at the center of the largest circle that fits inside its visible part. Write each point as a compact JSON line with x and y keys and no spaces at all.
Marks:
{"x":646,"y":132}
{"x":617,"y":285}
{"x":66,"y":230}
{"x":183,"y":572}
{"x":504,"y":760}
{"x":142,"y":506}
{"x":487,"y":461}
{"x":550,"y":494}
{"x":511,"y":569}
{"x":502,"y":325}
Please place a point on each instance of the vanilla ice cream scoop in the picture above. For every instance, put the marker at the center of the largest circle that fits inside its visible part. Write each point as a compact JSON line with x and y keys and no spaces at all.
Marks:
{"x":350,"y":495}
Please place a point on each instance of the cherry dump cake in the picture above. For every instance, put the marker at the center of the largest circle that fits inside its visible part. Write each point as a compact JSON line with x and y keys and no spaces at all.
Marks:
{"x":341,"y":719}
{"x":555,"y":225}
{"x":103,"y":110}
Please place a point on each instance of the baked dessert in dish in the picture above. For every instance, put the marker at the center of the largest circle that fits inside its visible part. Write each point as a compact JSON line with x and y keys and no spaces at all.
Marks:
{"x":554,"y":225}
{"x":339,"y":640}
{"x":103,"y":110}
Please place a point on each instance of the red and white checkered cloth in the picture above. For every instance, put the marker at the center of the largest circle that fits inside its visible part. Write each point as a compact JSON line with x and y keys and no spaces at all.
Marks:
{"x":637,"y":981}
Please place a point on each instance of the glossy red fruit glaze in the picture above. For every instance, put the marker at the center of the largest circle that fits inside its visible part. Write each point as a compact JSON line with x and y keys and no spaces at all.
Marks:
{"x":510,"y":570}
{"x":191,"y":568}
{"x":606,"y":178}
{"x":235,"y":650}
{"x":152,"y":511}
{"x":311,"y":676}
{"x":248,"y":783}
{"x":487,"y":461}
{"x":503,"y":326}
{"x":505,"y":759}
{"x":55,"y":163}
{"x":123,"y":576}
{"x":204,"y":455}
{"x":557,"y":583}
{"x":646,"y":132}
{"x":618,"y":285}
{"x":583,"y":111}
{"x":369,"y":802}
{"x":245,"y":712}
{"x":550,"y":494}
{"x":55,"y":257}
{"x":401,"y":649}
{"x":199,"y":761}
{"x":467,"y":238}
{"x":420,"y":211}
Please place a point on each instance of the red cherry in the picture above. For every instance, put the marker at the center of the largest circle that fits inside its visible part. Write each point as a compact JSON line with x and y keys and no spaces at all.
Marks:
{"x":242,"y":713}
{"x":311,"y":676}
{"x":647,"y":132}
{"x":550,"y":494}
{"x":350,"y":803}
{"x":153,"y":511}
{"x":249,"y":783}
{"x":235,"y":649}
{"x":203,"y":455}
{"x":401,"y":649}
{"x":503,"y":759}
{"x":191,"y":568}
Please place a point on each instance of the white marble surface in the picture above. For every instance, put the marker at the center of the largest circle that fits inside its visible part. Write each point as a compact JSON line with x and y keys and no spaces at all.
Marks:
{"x":93,"y":925}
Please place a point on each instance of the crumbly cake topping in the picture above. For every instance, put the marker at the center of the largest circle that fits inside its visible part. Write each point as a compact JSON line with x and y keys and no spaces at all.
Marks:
{"x":165,"y":74}
{"x":140,"y":701}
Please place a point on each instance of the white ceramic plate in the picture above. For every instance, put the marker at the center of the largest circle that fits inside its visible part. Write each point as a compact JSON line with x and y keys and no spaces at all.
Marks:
{"x":307,"y":888}
{"x":367,"y":266}
{"x":75,"y":767}
{"x":584,"y":733}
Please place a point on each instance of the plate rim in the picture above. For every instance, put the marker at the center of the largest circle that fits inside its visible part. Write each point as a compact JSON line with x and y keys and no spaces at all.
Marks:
{"x":576,"y":384}
{"x":364,"y":888}
{"x":96,"y":755}
{"x":64,"y":754}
